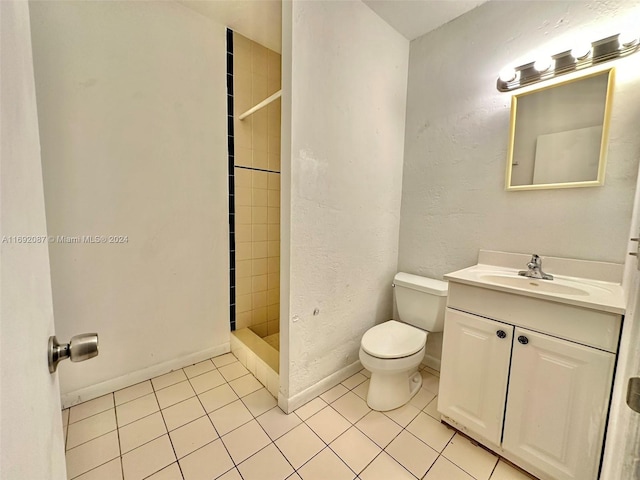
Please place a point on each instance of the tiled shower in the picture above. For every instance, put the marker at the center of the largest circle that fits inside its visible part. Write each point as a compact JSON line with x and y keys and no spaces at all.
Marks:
{"x":254,"y":205}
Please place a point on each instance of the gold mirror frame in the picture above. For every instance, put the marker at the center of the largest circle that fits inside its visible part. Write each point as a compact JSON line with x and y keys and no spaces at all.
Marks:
{"x":610,"y":72}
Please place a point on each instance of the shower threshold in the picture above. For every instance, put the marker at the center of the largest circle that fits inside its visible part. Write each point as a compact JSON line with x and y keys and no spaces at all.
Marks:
{"x":258,"y":356}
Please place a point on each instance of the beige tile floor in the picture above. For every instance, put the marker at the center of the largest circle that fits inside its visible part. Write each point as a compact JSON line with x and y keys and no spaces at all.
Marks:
{"x":215,"y":420}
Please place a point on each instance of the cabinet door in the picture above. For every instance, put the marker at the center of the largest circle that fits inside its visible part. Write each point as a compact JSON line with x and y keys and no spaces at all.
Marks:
{"x":557,"y":407}
{"x":474,"y":372}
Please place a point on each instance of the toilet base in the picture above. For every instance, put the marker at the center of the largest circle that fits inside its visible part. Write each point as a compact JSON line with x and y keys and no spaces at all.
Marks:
{"x":387,"y":392}
{"x":393,"y":381}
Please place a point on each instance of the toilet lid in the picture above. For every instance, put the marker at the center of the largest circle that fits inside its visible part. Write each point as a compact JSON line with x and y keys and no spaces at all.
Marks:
{"x":393,"y":340}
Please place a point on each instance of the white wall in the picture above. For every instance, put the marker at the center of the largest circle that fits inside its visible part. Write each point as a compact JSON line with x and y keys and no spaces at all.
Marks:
{"x":347,"y":94}
{"x":31,"y":438}
{"x":132,"y":111}
{"x":457,"y":132}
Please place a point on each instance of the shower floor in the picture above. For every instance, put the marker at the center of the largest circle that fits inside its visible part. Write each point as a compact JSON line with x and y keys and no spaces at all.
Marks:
{"x":273,"y":340}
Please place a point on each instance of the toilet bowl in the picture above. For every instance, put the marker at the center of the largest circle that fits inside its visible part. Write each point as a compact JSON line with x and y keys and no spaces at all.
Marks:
{"x":392,"y":351}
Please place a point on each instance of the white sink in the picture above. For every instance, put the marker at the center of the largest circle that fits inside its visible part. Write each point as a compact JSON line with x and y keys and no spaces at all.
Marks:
{"x":584,"y":292}
{"x":557,"y":286}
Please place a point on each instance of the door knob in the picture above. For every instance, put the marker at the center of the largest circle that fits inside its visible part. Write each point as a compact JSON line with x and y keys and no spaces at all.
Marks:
{"x":80,"y":348}
{"x":523,"y":340}
{"x":501,"y":334}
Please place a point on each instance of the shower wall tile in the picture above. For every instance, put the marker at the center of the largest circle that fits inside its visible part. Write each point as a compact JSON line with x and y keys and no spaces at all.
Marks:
{"x":243,"y":320}
{"x":273,"y":216}
{"x":260,"y":159}
{"x":273,"y":265}
{"x":241,"y":53}
{"x":243,"y":178}
{"x":273,"y":181}
{"x":274,"y":145}
{"x":243,"y":233}
{"x":273,"y":161}
{"x":273,"y":65}
{"x":273,"y":116}
{"x":273,"y":298}
{"x":243,"y":268}
{"x":243,"y":250}
{"x":243,"y":133}
{"x":258,"y":88}
{"x":259,"y":266}
{"x":257,"y":186}
{"x":273,"y":311}
{"x":273,"y":280}
{"x":243,"y":197}
{"x":259,"y":56}
{"x":244,"y":156}
{"x":259,"y":215}
{"x":273,"y":198}
{"x":243,"y":303}
{"x":259,"y":233}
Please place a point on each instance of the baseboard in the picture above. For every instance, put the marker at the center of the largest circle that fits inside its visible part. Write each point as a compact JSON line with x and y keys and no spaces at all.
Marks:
{"x":95,"y":391}
{"x":432,"y":362}
{"x":288,"y":405}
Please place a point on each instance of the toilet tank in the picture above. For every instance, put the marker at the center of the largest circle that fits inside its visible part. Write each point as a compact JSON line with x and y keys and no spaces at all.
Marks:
{"x":421,"y":301}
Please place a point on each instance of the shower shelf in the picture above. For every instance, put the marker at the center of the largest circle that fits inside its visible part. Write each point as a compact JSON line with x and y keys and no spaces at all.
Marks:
{"x":261,"y":105}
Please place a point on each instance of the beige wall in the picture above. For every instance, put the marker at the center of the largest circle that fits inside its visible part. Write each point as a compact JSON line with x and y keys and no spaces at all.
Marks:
{"x":132,"y":112}
{"x":256,"y":73}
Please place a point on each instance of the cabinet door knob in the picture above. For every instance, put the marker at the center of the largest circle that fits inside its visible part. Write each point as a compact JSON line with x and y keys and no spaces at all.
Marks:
{"x":523,"y":340}
{"x":501,"y":334}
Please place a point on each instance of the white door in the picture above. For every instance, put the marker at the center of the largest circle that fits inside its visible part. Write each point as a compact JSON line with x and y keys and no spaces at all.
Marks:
{"x":31,"y":441}
{"x":622,"y":449}
{"x":557,"y":407}
{"x":475,"y":370}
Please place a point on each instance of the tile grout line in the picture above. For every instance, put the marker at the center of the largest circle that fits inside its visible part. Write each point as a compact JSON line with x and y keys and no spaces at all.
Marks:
{"x":115,"y":414}
{"x":167,"y":429}
{"x":99,"y":436}
{"x":214,"y":427}
{"x":254,"y":417}
{"x":403,"y":428}
{"x":273,"y":441}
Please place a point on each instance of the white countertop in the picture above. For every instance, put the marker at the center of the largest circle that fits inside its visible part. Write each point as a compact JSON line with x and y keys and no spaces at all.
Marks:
{"x":581,"y":292}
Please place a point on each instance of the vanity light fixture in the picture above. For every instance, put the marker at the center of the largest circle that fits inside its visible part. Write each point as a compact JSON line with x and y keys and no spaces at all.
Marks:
{"x":581,"y":51}
{"x":508,"y":74}
{"x":582,"y":56}
{"x":543,"y":64}
{"x":628,"y":38}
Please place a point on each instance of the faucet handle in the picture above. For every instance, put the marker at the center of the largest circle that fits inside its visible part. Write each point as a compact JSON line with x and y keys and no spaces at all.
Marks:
{"x":535,"y":260}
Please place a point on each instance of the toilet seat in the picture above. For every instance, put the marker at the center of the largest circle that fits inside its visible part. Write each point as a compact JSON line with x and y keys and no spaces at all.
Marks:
{"x":393,"y":339}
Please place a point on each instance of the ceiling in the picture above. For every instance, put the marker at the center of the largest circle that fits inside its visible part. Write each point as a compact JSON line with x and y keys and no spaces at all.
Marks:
{"x":414,"y":18}
{"x":261,"y":20}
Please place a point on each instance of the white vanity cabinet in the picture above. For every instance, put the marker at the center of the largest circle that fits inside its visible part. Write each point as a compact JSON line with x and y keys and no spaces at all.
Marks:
{"x":515,"y":378}
{"x":475,"y":370}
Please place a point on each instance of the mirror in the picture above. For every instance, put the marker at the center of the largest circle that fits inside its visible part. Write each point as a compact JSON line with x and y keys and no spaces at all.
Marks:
{"x":559,"y":134}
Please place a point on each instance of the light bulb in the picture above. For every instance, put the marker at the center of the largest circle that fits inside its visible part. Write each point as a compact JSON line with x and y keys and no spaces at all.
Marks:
{"x":581,"y":51}
{"x":507,"y":74}
{"x":627,"y":38}
{"x":542,"y":64}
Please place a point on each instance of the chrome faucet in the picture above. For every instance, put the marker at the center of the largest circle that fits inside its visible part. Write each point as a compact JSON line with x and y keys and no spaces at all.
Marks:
{"x":535,"y":269}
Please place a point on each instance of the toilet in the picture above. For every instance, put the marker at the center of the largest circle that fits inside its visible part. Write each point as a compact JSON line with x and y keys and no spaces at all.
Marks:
{"x":393,"y":350}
